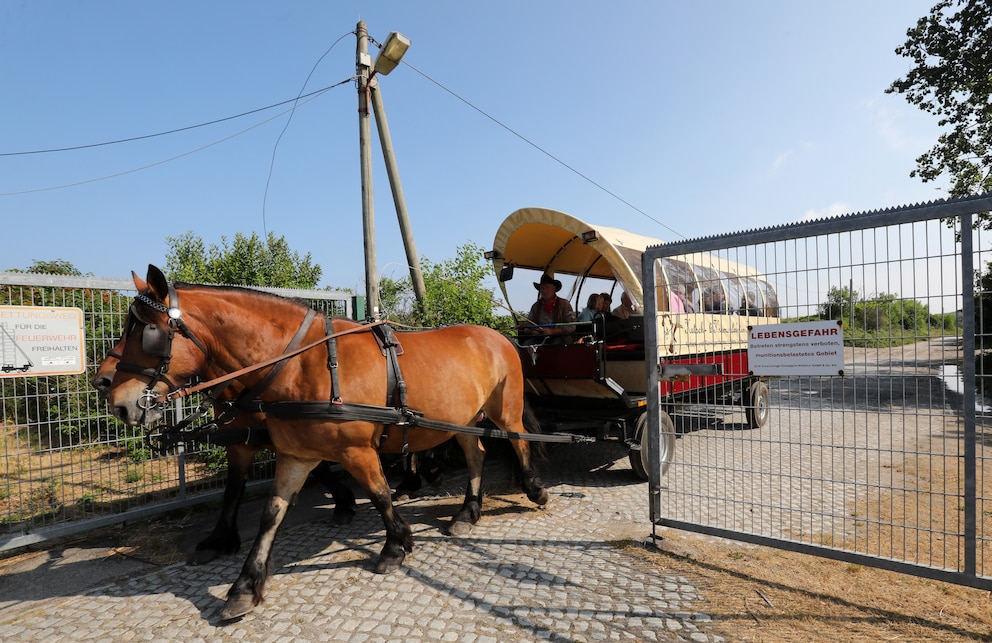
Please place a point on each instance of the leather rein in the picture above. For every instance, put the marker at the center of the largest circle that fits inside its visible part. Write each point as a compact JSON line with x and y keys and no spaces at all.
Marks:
{"x":398,"y":415}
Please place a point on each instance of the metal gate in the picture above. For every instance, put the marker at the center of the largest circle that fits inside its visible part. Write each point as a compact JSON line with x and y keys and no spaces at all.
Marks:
{"x":887,"y":463}
{"x":66,"y":465}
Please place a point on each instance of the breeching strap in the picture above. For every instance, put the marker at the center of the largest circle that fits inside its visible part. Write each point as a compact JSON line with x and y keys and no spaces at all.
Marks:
{"x":185,"y":392}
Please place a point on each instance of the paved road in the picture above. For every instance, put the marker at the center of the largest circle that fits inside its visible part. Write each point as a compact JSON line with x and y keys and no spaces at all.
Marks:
{"x":564,"y":573}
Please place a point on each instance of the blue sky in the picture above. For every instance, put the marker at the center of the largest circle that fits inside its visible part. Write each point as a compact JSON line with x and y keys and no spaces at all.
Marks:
{"x":703,"y":118}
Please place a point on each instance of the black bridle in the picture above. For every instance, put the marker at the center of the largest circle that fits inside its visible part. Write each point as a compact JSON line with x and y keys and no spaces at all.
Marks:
{"x":156,"y":340}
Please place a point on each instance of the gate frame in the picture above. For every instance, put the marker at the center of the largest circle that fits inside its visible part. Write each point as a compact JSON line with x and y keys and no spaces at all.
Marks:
{"x":964,"y":209}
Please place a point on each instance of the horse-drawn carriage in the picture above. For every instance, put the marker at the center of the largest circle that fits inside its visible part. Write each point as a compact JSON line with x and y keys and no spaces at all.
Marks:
{"x":596,"y":380}
{"x":327,"y":404}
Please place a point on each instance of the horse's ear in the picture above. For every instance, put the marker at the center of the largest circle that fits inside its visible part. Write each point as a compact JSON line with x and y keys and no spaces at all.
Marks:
{"x":139,"y":284}
{"x":157,"y":283}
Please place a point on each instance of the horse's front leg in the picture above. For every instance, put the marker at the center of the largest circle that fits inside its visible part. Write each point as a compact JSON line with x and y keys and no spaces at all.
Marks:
{"x":248,"y":590}
{"x":471,"y":509}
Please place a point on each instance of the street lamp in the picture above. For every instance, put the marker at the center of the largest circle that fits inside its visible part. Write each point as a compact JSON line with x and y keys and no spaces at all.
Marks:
{"x":369,"y":95}
{"x":391,"y":54}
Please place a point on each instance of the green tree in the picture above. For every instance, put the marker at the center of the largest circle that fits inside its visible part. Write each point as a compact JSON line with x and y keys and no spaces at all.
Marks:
{"x":52,"y":267}
{"x":455,"y":292}
{"x":246,"y":261}
{"x":951,"y":78}
{"x":883,"y":319}
{"x":839,"y":301}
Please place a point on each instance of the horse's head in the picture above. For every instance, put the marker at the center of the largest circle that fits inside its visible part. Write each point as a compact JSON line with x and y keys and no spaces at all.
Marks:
{"x":105,"y":370}
{"x":160,"y":353}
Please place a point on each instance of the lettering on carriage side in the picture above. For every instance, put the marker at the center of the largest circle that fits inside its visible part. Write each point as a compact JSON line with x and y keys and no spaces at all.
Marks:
{"x":35,"y":340}
{"x":802,"y":348}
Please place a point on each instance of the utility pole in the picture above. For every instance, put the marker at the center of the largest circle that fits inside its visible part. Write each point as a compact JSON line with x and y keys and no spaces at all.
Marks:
{"x":412,"y":260}
{"x":363,"y":68}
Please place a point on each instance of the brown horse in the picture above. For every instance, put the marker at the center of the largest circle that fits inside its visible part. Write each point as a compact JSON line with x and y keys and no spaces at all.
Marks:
{"x":225,"y":539}
{"x":450,"y":375}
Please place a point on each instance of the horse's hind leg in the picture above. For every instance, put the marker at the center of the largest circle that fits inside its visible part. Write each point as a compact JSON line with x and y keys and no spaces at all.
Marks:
{"x":410,"y":484}
{"x":224,"y":539}
{"x":248,"y":590}
{"x":344,"y":499}
{"x":364,"y":465}
{"x":529,"y":480}
{"x":471,"y":509}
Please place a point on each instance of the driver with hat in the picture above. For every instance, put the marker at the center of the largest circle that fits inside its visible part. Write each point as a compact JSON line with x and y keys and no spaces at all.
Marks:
{"x":552,"y":317}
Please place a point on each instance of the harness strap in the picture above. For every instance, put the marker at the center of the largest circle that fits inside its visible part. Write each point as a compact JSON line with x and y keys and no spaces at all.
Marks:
{"x":273,"y":373}
{"x":332,"y":360}
{"x":395,"y":384}
{"x":306,"y":410}
{"x":185,"y":392}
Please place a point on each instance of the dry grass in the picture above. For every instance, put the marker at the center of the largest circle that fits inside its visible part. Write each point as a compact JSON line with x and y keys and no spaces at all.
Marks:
{"x":49,"y":486}
{"x":762,"y":594}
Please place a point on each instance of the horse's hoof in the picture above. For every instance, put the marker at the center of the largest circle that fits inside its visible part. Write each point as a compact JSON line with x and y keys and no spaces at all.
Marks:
{"x":236,"y":606}
{"x":401,"y":496}
{"x":460,"y":528}
{"x":384,"y":566}
{"x":342,"y":518}
{"x":540,"y":497}
{"x":202,"y":556}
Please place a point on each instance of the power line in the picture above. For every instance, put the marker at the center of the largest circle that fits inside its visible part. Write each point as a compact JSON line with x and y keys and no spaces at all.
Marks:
{"x":544,"y":151}
{"x":175,"y":131}
{"x":275,"y":147}
{"x":312,"y":96}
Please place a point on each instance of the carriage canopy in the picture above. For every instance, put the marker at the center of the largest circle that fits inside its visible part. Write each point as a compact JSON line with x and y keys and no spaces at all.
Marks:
{"x":559,"y":243}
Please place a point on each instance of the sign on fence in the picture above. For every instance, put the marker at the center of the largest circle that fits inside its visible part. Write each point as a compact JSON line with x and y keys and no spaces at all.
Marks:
{"x":35,"y":340}
{"x":802,"y":348}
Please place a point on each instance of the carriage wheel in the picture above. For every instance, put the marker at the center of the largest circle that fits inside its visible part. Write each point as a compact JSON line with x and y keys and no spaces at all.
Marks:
{"x":638,"y":454}
{"x":758,"y":405}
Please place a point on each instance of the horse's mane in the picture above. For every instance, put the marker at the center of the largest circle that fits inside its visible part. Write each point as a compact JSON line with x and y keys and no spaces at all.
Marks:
{"x":246,"y":290}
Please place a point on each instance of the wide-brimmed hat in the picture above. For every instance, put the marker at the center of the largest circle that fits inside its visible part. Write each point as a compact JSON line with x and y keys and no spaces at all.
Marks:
{"x":547,"y":279}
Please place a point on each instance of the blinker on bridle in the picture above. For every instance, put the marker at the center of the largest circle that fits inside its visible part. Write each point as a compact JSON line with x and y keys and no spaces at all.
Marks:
{"x":156,"y":340}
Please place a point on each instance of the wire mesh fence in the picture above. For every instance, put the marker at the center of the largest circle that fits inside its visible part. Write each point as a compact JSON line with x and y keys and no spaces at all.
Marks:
{"x":881,"y":462}
{"x":65,"y":463}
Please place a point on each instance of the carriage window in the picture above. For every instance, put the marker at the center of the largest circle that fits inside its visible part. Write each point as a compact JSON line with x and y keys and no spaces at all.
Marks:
{"x":754,"y":304}
{"x":735,"y":292}
{"x":771,"y":298}
{"x":680,"y":275}
{"x":713,"y":297}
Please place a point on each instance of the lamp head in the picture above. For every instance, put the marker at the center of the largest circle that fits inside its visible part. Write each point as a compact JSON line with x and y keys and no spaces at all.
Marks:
{"x":392,"y":52}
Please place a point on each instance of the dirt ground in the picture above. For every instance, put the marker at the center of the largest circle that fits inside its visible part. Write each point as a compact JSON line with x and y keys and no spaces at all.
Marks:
{"x":770,"y":595}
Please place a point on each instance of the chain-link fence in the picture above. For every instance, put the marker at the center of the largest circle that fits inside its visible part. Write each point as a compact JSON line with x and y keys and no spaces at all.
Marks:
{"x":66,"y":464}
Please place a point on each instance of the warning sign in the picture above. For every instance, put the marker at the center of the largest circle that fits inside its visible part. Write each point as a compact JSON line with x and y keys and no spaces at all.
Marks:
{"x":803,"y":348}
{"x":41,"y":341}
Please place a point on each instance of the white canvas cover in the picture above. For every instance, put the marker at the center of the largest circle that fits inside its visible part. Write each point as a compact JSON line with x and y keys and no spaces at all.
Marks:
{"x":551,"y":241}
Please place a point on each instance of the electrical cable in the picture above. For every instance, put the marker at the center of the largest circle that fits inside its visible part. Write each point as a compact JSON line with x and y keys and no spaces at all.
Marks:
{"x":173,"y":131}
{"x":312,"y":96}
{"x":544,"y":151}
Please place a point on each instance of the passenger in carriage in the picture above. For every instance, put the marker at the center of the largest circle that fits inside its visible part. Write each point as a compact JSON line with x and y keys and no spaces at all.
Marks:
{"x":626,"y":308}
{"x":714,"y":301}
{"x":551,"y":317}
{"x":748,"y":306}
{"x":606,"y":305}
{"x":593,"y":306}
{"x":593,"y":318}
{"x":677,"y":302}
